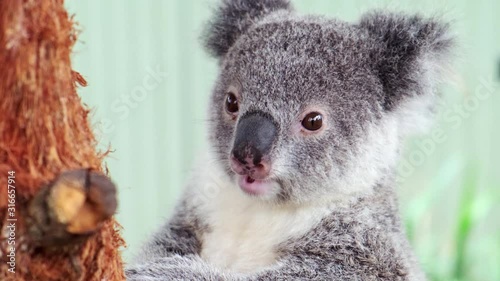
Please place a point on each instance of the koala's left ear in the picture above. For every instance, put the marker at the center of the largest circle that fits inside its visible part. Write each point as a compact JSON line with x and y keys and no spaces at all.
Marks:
{"x":233,"y":18}
{"x":409,"y":54}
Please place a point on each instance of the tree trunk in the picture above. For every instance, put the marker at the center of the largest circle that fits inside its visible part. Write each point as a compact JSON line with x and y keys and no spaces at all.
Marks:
{"x":56,"y":206}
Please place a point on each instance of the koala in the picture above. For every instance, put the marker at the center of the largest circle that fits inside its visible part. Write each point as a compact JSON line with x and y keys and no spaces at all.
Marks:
{"x":306,"y":121}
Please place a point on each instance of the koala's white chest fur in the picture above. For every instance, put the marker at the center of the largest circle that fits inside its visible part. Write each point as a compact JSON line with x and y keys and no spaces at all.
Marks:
{"x":245,"y":232}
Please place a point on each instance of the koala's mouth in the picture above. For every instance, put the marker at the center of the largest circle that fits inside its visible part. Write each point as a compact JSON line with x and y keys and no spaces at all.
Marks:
{"x":250,"y":180}
{"x":256,"y":187}
{"x":253,"y":179}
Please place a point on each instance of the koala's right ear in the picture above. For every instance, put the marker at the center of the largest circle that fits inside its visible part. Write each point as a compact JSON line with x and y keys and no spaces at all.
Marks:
{"x":409,"y":53}
{"x":233,"y":18}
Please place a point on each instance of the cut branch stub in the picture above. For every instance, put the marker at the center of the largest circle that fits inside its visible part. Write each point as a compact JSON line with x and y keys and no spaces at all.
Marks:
{"x":71,"y":208}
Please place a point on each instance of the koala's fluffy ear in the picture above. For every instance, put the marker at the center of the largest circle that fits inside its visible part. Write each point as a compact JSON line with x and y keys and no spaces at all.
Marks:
{"x":233,"y":18}
{"x":409,"y":54}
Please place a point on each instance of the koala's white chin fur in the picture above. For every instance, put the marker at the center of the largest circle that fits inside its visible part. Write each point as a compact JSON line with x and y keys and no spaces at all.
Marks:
{"x":245,"y":230}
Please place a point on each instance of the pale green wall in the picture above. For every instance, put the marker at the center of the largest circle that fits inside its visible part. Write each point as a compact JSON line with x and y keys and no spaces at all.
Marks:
{"x":156,"y":138}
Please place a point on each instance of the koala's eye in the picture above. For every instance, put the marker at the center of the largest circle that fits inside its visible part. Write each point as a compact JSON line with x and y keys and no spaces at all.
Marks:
{"x":231,"y":103}
{"x":313,"y":121}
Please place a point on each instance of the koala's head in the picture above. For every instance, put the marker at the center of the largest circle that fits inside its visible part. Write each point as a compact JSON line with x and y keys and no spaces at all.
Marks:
{"x":306,"y":107}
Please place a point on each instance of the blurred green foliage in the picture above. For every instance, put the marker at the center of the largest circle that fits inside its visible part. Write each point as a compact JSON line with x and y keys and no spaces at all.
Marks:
{"x":471,"y":250}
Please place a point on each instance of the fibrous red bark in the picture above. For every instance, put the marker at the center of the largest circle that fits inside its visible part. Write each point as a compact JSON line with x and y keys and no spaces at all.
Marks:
{"x":44,"y":137}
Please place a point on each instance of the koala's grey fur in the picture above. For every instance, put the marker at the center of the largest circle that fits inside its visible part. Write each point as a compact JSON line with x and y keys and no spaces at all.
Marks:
{"x":333,"y":214}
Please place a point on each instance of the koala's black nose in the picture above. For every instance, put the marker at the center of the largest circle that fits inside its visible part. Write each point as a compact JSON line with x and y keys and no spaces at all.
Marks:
{"x":255,"y":135}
